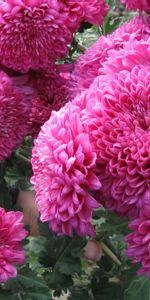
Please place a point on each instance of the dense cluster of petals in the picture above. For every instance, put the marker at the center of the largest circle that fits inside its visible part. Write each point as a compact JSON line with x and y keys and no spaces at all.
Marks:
{"x":14,"y":109}
{"x":91,"y":11}
{"x":50,"y":94}
{"x":11,"y":235}
{"x":62,"y":162}
{"x":89,"y":64}
{"x":137,"y":4}
{"x":34,"y":34}
{"x":134,"y":53}
{"x":117,"y":116}
{"x":138,"y":244}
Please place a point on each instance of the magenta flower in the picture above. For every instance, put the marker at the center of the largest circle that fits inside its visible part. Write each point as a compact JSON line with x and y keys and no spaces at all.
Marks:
{"x":134,"y":53}
{"x":34,"y":34}
{"x":137,"y":4}
{"x":63,"y":162}
{"x":11,"y":234}
{"x":94,"y":11}
{"x":88,"y":66}
{"x":50,"y":94}
{"x":138,"y":244}
{"x":14,"y":109}
{"x":117,"y":116}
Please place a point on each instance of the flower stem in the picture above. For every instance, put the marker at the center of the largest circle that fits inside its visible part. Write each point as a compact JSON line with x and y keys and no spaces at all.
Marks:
{"x":110,"y":254}
{"x":22,"y":157}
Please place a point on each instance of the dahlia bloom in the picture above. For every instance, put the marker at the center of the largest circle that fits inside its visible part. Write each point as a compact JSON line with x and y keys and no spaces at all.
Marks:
{"x":34,"y":34}
{"x":117,"y":115}
{"x":50,"y":94}
{"x":62,"y":162}
{"x":14,"y":111}
{"x":11,"y":234}
{"x":88,"y":66}
{"x":137,"y":4}
{"x":138,"y":244}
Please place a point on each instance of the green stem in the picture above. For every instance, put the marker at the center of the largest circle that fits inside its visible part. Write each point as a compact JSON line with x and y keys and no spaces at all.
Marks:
{"x":22,"y":157}
{"x":110,"y":254}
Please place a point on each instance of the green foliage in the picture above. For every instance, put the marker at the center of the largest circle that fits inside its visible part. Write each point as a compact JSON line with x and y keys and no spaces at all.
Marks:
{"x":18,"y":170}
{"x":6,"y":200}
{"x":80,"y":295}
{"x":138,"y":289}
{"x":62,"y":255}
{"x":27,"y":286}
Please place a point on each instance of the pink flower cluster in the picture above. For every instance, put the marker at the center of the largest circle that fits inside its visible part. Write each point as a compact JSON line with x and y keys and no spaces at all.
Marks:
{"x":50,"y":94}
{"x":137,"y":4}
{"x":11,"y":234}
{"x":62,"y":162}
{"x":138,"y":244}
{"x":89,"y":64}
{"x":118,"y":123}
{"x":34,"y":34}
{"x":14,"y":109}
{"x":96,"y":149}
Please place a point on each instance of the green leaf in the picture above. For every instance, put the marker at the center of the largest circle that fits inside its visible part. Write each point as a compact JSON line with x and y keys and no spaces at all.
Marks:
{"x":57,"y":280}
{"x":69,"y":266}
{"x":138,"y":289}
{"x":79,"y":295}
{"x":5,"y":195}
{"x":26,"y":286}
{"x":5,"y":295}
{"x":44,"y":230}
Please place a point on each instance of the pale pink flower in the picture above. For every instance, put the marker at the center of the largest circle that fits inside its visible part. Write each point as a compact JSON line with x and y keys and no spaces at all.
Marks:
{"x":63,"y":162}
{"x":11,"y":235}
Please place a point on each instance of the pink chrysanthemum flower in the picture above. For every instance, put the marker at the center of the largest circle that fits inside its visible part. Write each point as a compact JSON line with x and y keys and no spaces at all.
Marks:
{"x":34,"y":34}
{"x":92,"y":11}
{"x":134,"y":53}
{"x":51,"y":94}
{"x":14,"y":109}
{"x":88,"y":66}
{"x":62,"y":162}
{"x":11,"y":234}
{"x":117,"y":116}
{"x":138,"y":244}
{"x":137,"y":4}
{"x":40,"y":113}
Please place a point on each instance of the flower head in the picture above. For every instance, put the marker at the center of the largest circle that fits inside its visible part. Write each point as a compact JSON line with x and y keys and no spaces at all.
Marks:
{"x":62,"y":162}
{"x":137,"y":4}
{"x":11,"y":234}
{"x":117,"y":116}
{"x":138,"y":244}
{"x":89,"y":65}
{"x":94,"y":11}
{"x":34,"y":34}
{"x":14,"y":109}
{"x":50,"y":94}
